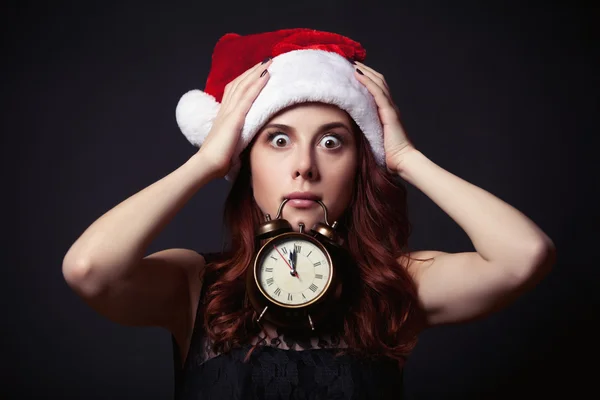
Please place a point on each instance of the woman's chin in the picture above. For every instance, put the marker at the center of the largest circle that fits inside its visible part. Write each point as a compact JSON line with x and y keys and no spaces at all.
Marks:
{"x":308,"y":217}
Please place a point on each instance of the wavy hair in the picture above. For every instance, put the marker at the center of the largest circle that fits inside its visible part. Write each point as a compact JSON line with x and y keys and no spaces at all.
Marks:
{"x":383,"y":318}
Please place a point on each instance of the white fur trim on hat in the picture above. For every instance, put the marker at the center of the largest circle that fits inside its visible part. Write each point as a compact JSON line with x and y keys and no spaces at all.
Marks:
{"x":295,"y":77}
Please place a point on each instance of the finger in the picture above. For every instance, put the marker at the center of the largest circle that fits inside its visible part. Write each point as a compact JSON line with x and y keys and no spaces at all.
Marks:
{"x":365,"y":67}
{"x":250,"y":71}
{"x":385,"y":91}
{"x":249,"y":94}
{"x":231,"y":86}
{"x":372,"y":80}
{"x":376,"y":75}
{"x":380,"y":95}
{"x":248,"y":86}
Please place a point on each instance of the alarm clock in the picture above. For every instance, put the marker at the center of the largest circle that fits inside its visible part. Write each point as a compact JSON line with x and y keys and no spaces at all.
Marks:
{"x":295,"y":278}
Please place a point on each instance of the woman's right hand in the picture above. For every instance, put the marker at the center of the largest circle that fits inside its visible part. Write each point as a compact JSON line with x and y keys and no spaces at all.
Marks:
{"x":220,"y":143}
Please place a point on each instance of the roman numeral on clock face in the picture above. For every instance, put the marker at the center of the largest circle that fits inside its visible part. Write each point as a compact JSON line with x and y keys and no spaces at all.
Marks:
{"x":318,"y":276}
{"x":268,"y":269}
{"x":317,"y":263}
{"x":278,"y":291}
{"x":270,"y":281}
{"x":290,"y":297}
{"x":297,"y":248}
{"x":313,"y":287}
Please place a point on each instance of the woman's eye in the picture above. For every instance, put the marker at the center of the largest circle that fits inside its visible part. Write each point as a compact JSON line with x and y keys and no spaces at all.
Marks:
{"x":331,"y":142}
{"x":278,"y":140}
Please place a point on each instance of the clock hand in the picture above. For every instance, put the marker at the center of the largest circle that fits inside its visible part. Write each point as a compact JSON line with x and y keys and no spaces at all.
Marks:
{"x":295,"y":263}
{"x":296,"y":273}
{"x":293,"y":260}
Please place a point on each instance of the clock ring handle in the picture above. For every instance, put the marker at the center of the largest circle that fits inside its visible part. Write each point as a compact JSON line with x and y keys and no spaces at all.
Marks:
{"x":281,"y":208}
{"x":278,"y":216}
{"x":325,"y":216}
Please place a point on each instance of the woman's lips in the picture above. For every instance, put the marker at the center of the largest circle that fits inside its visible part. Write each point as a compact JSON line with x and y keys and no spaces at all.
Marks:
{"x":302,"y":203}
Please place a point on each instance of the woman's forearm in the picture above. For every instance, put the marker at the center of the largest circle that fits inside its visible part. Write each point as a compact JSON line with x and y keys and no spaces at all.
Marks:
{"x":118,"y":239}
{"x":499,"y":232}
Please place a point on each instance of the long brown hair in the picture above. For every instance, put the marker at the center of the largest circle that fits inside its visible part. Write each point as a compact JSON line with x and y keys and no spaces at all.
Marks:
{"x":383,"y":319}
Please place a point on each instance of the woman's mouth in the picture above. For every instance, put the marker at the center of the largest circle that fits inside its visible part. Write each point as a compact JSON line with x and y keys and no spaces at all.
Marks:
{"x":302,"y":203}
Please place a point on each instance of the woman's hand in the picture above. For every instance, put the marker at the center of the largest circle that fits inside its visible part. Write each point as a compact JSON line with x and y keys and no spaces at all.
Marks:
{"x":220,"y":143}
{"x":395,"y":141}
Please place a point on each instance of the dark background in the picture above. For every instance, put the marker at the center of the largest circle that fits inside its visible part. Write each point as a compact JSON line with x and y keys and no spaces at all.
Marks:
{"x":504,"y":96}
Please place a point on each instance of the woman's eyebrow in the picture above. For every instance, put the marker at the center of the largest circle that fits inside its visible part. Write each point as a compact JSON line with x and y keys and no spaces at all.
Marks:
{"x":323,"y":127}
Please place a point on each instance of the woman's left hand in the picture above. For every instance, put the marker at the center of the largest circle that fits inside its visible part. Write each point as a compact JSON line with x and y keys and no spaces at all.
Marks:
{"x":395,"y":141}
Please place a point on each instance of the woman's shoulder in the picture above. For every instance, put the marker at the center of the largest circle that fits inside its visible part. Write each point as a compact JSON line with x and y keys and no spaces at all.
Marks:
{"x":215,"y":256}
{"x":210,"y":272}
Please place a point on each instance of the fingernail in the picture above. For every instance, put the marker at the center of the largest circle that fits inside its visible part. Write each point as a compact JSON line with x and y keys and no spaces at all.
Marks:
{"x":265,"y":60}
{"x":359,"y":71}
{"x":351,"y":61}
{"x":263,"y":73}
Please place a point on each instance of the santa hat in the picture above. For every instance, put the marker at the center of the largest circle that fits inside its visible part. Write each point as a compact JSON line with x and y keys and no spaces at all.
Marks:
{"x":308,"y":65}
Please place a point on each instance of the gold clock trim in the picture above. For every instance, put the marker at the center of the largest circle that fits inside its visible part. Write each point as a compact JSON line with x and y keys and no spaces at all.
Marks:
{"x":299,"y":236}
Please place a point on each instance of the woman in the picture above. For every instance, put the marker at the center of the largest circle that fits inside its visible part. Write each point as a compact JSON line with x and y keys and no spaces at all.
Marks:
{"x":310,"y":122}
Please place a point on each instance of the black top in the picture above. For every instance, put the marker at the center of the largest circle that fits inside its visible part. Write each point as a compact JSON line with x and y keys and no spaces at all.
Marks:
{"x":281,"y":368}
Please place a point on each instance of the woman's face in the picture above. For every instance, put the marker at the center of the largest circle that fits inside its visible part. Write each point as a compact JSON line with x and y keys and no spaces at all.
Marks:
{"x":308,"y":149}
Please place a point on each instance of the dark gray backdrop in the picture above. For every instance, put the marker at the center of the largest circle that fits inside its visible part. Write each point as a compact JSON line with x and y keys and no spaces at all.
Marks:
{"x":502,"y":96}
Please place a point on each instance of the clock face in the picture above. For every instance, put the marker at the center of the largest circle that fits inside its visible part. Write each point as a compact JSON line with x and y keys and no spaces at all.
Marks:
{"x":293,"y":271}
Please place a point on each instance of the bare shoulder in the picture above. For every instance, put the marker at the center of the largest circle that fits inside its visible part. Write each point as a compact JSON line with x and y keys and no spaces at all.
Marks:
{"x":188,"y":261}
{"x":180,"y":314}
{"x":415,"y":261}
{"x":183,"y":271}
{"x":161,"y":291}
{"x":459,"y":287}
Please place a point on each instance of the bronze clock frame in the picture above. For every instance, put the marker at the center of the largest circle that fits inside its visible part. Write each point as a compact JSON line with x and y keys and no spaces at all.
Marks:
{"x":297,"y":316}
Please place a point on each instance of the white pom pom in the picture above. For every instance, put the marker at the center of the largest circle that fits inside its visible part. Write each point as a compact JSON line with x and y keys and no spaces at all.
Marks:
{"x":195,"y":113}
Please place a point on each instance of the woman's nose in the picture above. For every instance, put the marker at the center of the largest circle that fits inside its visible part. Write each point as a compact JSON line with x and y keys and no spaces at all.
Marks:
{"x":306,"y":165}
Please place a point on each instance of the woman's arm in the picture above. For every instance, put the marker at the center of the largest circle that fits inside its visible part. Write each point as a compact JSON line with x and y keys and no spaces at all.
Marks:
{"x":110,"y":248}
{"x":106,"y":268}
{"x":512,"y":254}
{"x":106,"y":265}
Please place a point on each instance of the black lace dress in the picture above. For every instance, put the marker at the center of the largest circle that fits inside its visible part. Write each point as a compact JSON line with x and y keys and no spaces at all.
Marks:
{"x":282,"y":367}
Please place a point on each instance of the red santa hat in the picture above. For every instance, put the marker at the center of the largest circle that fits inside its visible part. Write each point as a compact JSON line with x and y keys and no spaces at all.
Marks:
{"x":308,"y":65}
